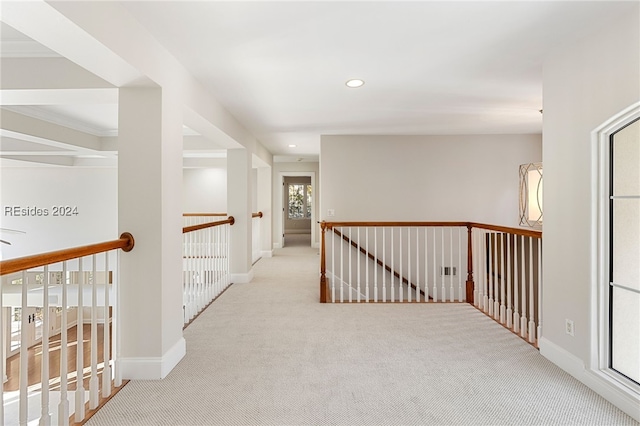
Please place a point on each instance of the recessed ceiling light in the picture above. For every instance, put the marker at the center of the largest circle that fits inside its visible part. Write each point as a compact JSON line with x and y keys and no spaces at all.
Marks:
{"x":292,"y":145}
{"x":353,"y":83}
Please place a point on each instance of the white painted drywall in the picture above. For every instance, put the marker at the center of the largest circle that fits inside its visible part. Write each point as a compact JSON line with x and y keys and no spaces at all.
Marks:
{"x":584,"y":85}
{"x":92,"y":191}
{"x":205,"y":189}
{"x":424,"y":178}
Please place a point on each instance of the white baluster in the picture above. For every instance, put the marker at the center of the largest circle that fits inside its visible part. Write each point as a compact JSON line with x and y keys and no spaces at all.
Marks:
{"x":400,"y":288}
{"x":106,"y":349}
{"x":45,"y":416}
{"x":486,"y":281}
{"x":539,"y":242}
{"x":333,"y":266}
{"x":516,"y":282}
{"x":503,"y":279}
{"x":496,"y":277}
{"x":94,"y":397}
{"x":509,"y":281}
{"x":63,"y":406}
{"x":79,"y":410}
{"x":476,"y":267}
{"x":350,"y":269}
{"x":358,"y":257}
{"x":375,"y":265}
{"x":24,"y":366}
{"x":366,"y":267}
{"x":461,"y":298}
{"x":384,"y":262}
{"x":452,"y":297}
{"x":341,"y":265}
{"x":426,"y":264}
{"x":392,"y":267}
{"x":532,"y":323}
{"x":409,"y":275}
{"x":435,"y":269}
{"x":489,"y":308}
{"x":417,"y":264}
{"x":523,"y":293}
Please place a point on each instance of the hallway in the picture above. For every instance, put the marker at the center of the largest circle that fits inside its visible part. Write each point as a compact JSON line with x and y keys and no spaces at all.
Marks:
{"x":268,"y":353}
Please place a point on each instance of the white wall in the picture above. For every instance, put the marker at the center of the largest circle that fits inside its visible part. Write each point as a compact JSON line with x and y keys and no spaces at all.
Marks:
{"x":92,"y":191}
{"x":424,"y":178}
{"x":205,"y":189}
{"x":584,"y":85}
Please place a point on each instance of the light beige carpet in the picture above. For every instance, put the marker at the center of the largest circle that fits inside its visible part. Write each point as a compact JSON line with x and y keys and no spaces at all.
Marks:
{"x":268,"y":353}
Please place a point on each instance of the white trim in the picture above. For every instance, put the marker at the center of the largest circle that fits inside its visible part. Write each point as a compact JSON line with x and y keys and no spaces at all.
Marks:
{"x":613,"y":391}
{"x":266,"y":253}
{"x":277,"y":245}
{"x":153,"y":368}
{"x":598,"y":375}
{"x":242,"y":278}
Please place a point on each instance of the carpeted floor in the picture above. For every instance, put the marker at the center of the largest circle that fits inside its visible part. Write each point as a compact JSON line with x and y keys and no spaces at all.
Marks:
{"x":268,"y":353}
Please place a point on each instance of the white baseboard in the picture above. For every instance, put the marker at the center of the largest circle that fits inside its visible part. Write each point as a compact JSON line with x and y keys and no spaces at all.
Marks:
{"x":153,"y":368}
{"x":266,"y":253}
{"x":623,"y":398}
{"x":277,"y":245}
{"x":316,"y":245}
{"x":242,"y":278}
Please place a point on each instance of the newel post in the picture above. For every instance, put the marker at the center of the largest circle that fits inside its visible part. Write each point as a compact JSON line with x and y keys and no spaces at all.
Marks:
{"x":469,"y":289}
{"x":323,"y":266}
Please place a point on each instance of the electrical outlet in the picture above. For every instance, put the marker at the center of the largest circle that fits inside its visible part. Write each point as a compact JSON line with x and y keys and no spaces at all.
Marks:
{"x":331,"y":212}
{"x":569,"y":329}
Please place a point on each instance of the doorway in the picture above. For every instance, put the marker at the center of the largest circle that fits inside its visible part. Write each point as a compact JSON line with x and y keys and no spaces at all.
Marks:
{"x":298,"y":200}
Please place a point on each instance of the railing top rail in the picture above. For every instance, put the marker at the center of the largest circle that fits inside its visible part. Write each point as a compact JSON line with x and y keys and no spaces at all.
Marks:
{"x":259,"y":214}
{"x":9,"y":266}
{"x":204,"y":214}
{"x":192,"y":228}
{"x":517,"y":231}
{"x":390,"y":224}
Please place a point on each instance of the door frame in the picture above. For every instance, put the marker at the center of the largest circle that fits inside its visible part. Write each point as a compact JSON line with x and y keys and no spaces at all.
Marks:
{"x":279,"y":220}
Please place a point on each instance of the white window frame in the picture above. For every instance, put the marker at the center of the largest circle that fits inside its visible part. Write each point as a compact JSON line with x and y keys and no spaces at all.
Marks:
{"x":600,"y":341}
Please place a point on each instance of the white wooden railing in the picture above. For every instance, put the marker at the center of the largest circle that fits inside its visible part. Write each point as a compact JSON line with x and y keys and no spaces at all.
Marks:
{"x":84,"y":280}
{"x":205,"y":264}
{"x":386,"y":262}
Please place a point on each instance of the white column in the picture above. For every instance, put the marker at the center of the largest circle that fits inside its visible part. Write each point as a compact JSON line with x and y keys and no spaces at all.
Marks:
{"x":239,"y":180}
{"x":149,"y":206}
{"x":264,"y":205}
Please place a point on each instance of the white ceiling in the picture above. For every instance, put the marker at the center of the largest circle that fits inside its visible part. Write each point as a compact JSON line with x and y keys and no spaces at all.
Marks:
{"x":430,"y":67}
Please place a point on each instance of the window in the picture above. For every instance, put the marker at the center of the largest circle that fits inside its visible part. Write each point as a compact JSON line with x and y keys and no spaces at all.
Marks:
{"x":300,"y":201}
{"x":624,"y":252}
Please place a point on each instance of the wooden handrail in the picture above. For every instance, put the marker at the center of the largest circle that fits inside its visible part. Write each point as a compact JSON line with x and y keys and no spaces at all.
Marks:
{"x":204,"y":214}
{"x":192,"y":228}
{"x":517,"y":231}
{"x":9,"y":266}
{"x":259,"y":214}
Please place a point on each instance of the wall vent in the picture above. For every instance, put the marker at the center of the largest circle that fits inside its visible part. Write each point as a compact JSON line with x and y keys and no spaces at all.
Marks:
{"x":448,"y":270}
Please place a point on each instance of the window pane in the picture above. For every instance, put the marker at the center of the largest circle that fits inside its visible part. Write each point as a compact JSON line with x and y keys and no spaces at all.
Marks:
{"x":625,"y":336}
{"x":626,"y":242}
{"x":296,"y":201}
{"x":309,"y":199}
{"x":626,"y":160}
